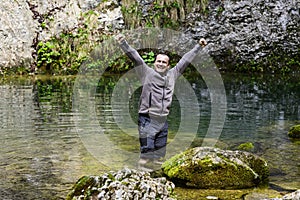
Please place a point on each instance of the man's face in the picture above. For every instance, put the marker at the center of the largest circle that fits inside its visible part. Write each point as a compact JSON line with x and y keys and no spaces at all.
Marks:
{"x":161,"y":64}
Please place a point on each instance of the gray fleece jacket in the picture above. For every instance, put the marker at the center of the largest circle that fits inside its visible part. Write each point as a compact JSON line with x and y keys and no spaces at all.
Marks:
{"x":158,"y":89}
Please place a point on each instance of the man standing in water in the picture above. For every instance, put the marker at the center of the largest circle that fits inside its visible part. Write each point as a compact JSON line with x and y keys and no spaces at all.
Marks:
{"x":155,"y":100}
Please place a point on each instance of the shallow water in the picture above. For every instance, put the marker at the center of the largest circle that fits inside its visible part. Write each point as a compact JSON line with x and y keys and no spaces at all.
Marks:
{"x":47,"y":145}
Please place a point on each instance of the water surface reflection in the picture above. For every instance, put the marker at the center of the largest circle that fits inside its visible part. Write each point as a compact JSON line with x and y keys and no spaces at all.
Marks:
{"x":42,"y":154}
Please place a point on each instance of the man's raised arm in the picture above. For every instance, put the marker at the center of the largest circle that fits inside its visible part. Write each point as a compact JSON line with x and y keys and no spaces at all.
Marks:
{"x":132,"y":55}
{"x":189,"y":56}
{"x":130,"y":52}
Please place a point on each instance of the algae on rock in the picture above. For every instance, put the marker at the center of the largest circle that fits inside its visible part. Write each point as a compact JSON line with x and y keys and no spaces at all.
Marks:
{"x":205,"y":167}
{"x":294,"y":131}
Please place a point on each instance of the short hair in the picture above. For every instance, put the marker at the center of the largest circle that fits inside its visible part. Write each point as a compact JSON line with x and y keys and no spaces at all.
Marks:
{"x":162,"y":54}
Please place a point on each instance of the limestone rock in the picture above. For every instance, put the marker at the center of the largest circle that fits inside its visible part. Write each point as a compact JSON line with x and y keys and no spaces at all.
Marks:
{"x":123,"y":184}
{"x":17,"y":31}
{"x":292,"y":196}
{"x":237,"y":32}
{"x":24,"y":23}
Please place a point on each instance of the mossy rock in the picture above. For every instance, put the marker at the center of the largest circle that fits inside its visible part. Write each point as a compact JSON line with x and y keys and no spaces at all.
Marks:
{"x":248,"y":146}
{"x":294,"y":131}
{"x":212,"y":168}
{"x":82,"y":184}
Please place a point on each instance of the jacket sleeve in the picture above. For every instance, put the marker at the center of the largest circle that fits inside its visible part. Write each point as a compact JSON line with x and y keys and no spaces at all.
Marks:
{"x":186,"y":60}
{"x":140,"y":65}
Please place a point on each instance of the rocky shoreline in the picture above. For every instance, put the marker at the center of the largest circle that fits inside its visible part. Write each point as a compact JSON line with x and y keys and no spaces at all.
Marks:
{"x":205,"y":171}
{"x":135,"y":184}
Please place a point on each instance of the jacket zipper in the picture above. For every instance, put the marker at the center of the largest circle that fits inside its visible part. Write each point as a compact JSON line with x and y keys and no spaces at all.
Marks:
{"x":163,"y":97}
{"x":150,"y":98}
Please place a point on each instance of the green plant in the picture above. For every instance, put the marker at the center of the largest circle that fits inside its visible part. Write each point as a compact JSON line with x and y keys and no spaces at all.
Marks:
{"x":149,"y":57}
{"x":220,"y":9}
{"x":248,"y":146}
{"x":47,"y":54}
{"x":161,"y":14}
{"x":64,"y":53}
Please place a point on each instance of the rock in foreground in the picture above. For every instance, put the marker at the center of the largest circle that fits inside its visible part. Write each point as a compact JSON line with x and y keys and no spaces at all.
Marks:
{"x":205,"y":167}
{"x":124,"y":184}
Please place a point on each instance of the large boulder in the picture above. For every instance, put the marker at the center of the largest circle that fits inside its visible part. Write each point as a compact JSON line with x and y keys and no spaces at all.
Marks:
{"x":206,"y":167}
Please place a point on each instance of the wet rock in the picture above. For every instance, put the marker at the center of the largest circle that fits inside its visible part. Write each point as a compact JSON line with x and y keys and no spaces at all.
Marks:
{"x":294,"y":131}
{"x":205,"y":167}
{"x":123,"y":184}
{"x":248,"y":146}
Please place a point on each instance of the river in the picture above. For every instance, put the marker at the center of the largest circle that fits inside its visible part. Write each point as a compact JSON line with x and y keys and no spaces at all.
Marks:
{"x":44,"y":151}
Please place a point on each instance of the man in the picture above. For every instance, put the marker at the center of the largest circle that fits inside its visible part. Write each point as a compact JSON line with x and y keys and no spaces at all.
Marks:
{"x":156,"y":98}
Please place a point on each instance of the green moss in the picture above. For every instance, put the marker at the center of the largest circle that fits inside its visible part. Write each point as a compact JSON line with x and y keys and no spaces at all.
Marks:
{"x":248,"y":146}
{"x":159,"y":16}
{"x":214,"y":171}
{"x":294,"y":131}
{"x":166,"y":14}
{"x":172,"y":165}
{"x":64,"y":53}
{"x":81,"y":186}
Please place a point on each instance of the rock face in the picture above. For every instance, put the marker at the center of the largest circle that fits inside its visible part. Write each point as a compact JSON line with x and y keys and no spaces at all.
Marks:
{"x":17,"y":30}
{"x":250,"y":30}
{"x":238,"y":32}
{"x":294,"y":132}
{"x":24,"y":23}
{"x":205,"y":167}
{"x":124,"y":184}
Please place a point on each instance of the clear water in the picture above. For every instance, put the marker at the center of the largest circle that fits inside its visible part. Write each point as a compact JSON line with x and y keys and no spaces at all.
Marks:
{"x":43,"y":153}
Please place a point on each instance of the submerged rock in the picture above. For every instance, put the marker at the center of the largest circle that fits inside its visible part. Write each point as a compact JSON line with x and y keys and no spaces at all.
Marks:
{"x":248,"y":146}
{"x":123,"y":184}
{"x":205,"y":167}
{"x":294,"y":132}
{"x":291,"y":196}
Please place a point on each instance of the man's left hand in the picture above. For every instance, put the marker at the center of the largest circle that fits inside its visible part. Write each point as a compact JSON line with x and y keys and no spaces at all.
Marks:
{"x":202,"y":42}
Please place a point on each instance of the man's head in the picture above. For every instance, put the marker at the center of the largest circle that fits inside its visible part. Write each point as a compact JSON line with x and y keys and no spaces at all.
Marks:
{"x":161,"y":64}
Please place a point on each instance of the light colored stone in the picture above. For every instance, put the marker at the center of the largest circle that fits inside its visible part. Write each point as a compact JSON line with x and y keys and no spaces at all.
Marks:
{"x":17,"y":31}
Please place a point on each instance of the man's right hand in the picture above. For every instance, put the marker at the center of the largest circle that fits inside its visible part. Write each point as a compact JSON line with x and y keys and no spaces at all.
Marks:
{"x":120,"y":38}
